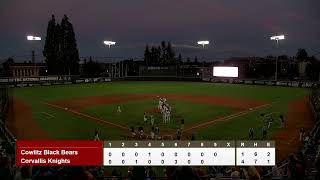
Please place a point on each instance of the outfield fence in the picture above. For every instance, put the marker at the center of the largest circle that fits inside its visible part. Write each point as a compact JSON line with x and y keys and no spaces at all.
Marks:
{"x":284,"y":83}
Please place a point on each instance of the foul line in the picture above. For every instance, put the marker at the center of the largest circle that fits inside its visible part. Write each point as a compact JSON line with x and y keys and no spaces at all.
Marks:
{"x":87,"y":116}
{"x":222,"y":119}
{"x":51,"y":116}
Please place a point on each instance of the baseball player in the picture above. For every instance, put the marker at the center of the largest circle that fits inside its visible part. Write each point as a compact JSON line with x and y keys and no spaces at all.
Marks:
{"x":96,"y":135}
{"x":164,"y":118}
{"x":251,"y":134}
{"x":133,"y":133}
{"x":141,"y":132}
{"x":160,"y":104}
{"x":152,"y":133}
{"x":165,"y":109}
{"x":119,"y":109}
{"x":152,"y":120}
{"x":168,"y":115}
{"x":145,"y":119}
{"x":269,"y":124}
{"x":281,"y":118}
{"x":182,"y":124}
{"x":264,"y":132}
{"x":178,"y":134}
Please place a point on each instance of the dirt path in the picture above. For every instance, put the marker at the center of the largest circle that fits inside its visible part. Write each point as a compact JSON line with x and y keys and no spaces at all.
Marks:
{"x":299,"y":116}
{"x":21,"y":124}
{"x":83,"y":102}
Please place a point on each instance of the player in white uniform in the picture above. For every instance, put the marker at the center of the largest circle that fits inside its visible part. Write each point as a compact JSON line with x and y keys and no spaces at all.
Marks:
{"x":168,"y":115}
{"x":119,"y":109}
{"x":164,"y":118}
{"x":160,"y":104}
{"x":165,"y":114}
{"x":145,"y":119}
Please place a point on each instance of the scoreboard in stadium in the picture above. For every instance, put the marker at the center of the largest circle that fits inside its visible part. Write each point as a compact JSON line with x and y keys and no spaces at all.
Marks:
{"x":146,"y":153}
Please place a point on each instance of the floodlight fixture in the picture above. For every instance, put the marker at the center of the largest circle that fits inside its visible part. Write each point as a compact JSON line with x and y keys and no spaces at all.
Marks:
{"x":33,"y":38}
{"x":277,"y":38}
{"x":109,"y":43}
{"x":203,"y":43}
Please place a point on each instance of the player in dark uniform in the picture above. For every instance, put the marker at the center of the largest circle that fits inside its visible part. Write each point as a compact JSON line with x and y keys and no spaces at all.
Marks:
{"x":96,"y":135}
{"x":251,"y":134}
{"x":179,"y":134}
{"x":182,"y":123}
{"x":264,"y":132}
{"x":133,"y":133}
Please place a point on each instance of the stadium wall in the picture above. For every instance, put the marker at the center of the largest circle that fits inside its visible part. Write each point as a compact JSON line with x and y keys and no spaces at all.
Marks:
{"x":300,"y":84}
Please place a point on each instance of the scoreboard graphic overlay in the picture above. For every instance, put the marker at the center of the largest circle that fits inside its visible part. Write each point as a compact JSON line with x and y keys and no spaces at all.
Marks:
{"x":145,"y":153}
{"x":189,"y":153}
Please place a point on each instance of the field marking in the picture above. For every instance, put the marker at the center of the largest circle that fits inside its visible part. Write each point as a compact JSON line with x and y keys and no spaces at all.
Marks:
{"x":87,"y":116}
{"x":49,"y":116}
{"x":226,"y":118}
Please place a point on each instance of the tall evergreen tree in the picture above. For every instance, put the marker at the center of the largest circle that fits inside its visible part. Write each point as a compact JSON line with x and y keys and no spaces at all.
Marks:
{"x":180,"y":59}
{"x":69,"y":47}
{"x":60,"y":49}
{"x":164,"y":54}
{"x":196,"y":60}
{"x":158,"y":56}
{"x":147,"y":54}
{"x":51,"y":46}
{"x":170,"y":54}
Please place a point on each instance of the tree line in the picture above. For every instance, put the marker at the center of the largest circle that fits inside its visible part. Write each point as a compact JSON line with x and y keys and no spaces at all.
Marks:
{"x":60,"y":49}
{"x":161,"y":55}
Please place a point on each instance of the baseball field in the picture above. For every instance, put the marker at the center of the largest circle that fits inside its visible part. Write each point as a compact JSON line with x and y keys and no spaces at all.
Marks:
{"x":210,"y":111}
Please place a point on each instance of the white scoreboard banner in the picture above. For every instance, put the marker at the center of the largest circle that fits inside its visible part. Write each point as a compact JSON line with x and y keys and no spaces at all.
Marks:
{"x":189,"y":153}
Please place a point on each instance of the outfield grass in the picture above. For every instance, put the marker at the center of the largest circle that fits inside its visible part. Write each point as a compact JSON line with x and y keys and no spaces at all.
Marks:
{"x":65,"y":125}
{"x":133,"y":111}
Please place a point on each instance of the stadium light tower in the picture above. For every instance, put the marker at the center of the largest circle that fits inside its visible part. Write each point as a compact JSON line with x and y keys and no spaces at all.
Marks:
{"x":33,"y":38}
{"x":109,"y":43}
{"x":203,"y":43}
{"x":277,"y":38}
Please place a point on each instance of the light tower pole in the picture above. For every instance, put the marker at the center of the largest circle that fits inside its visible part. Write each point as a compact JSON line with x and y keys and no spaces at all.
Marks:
{"x":203,"y":43}
{"x":31,"y":39}
{"x":277,"y":39}
{"x":109,"y":44}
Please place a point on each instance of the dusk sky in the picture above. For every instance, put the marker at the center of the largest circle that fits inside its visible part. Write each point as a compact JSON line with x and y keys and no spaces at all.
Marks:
{"x":234,"y":28}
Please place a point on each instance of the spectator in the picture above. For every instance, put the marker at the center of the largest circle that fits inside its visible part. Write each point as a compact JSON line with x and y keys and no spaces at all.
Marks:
{"x":300,"y":166}
{"x":185,"y":172}
{"x":5,"y":170}
{"x":317,"y":165}
{"x":291,"y":167}
{"x":24,"y":173}
{"x":199,"y":172}
{"x":302,"y":134}
{"x":251,"y":173}
{"x":138,"y":173}
{"x":235,"y":174}
{"x":149,"y":173}
{"x":275,"y":171}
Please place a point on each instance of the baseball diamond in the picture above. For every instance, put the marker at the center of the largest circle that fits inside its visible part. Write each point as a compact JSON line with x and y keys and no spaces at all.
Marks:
{"x":199,"y":110}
